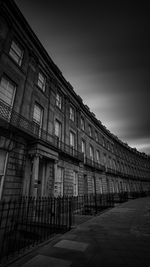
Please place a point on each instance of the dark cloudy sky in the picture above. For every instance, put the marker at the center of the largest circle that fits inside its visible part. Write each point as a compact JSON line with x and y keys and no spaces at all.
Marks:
{"x":103,"y":50}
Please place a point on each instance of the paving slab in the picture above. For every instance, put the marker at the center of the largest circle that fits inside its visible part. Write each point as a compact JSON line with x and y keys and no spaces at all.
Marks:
{"x":46,"y":261}
{"x":73,"y":245}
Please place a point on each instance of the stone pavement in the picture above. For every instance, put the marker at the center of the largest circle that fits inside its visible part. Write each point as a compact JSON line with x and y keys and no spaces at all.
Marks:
{"x":118,"y":237}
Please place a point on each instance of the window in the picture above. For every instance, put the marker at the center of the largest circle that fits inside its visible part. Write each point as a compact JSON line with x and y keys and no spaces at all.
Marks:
{"x":96,"y":136}
{"x":82,"y":124}
{"x":41,"y":81}
{"x":90,"y":130}
{"x":98,"y":156}
{"x":75,"y":183}
{"x":59,"y":100}
{"x":72,"y":114}
{"x":72,"y":139}
{"x":37,"y":118}
{"x":100,"y":186}
{"x":110,"y":162}
{"x":58,"y":129}
{"x":103,"y":141}
{"x":7,"y":94}
{"x":114,"y":164}
{"x":3,"y":160}
{"x":37,"y":115}
{"x":104,"y":159}
{"x":16,"y":53}
{"x":108,"y":145}
{"x":83,"y":147}
{"x":7,"y":91}
{"x":91,"y":153}
{"x":59,"y":182}
{"x":93,"y":185}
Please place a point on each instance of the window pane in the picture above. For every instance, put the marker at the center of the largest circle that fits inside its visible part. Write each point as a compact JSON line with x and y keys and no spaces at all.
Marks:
{"x":72,"y":114}
{"x":37,"y":115}
{"x":72,"y":139}
{"x":16,"y":53}
{"x":41,"y":81}
{"x":2,"y":161}
{"x":58,"y":100}
{"x":58,"y":129}
{"x":7,"y":91}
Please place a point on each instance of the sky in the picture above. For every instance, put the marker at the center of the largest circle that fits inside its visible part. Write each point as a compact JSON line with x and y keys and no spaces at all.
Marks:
{"x":103,"y":50}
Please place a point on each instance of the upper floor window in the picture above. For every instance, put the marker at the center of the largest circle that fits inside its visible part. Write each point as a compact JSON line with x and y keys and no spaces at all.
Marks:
{"x":41,"y":81}
{"x":58,"y":100}
{"x":38,"y":115}
{"x":7,"y":90}
{"x":108,"y":145}
{"x":110,"y":162}
{"x":104,"y":159}
{"x":72,"y":139}
{"x":72,"y":114}
{"x":96,"y":136}
{"x":58,"y":129}
{"x":90,"y":130}
{"x":83,"y":147}
{"x":114,"y":164}
{"x":16,"y":53}
{"x":91,"y":153}
{"x":97,"y":155}
{"x":103,"y":141}
{"x":82,"y":124}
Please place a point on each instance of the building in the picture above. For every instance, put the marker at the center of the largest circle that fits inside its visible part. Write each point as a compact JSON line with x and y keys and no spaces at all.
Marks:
{"x":50,"y":142}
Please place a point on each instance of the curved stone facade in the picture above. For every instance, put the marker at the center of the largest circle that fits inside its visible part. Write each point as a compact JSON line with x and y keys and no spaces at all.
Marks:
{"x":50,"y":143}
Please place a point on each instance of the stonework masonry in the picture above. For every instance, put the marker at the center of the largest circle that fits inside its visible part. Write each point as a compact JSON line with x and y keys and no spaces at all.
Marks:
{"x":50,"y":142}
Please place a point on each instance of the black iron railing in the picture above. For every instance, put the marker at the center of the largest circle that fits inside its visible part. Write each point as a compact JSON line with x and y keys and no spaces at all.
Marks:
{"x":31,"y":128}
{"x":92,"y":204}
{"x":26,"y":222}
{"x":93,"y":164}
{"x":29,"y":221}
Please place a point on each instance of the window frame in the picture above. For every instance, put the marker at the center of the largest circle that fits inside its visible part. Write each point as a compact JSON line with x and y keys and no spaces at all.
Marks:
{"x":90,"y":130}
{"x":75,"y":184}
{"x":2,"y":174}
{"x":12,"y":51}
{"x":60,"y":129}
{"x":59,"y":100}
{"x":82,"y":124}
{"x":73,"y":134}
{"x":72,"y":114}
{"x":96,"y":136}
{"x":9,"y":81}
{"x":59,"y":182}
{"x":41,"y":84}
{"x":91,"y":153}
{"x":97,"y":156}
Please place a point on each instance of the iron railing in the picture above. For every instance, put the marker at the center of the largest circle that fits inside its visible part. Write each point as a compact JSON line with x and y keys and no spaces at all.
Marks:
{"x":29,"y":221}
{"x":8,"y":114}
{"x":94,"y":164}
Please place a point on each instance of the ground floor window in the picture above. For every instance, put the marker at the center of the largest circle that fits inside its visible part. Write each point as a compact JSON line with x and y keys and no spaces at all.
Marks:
{"x":59,"y":182}
{"x":93,"y":185}
{"x":100,"y":186}
{"x":3,"y":160}
{"x":75,"y":183}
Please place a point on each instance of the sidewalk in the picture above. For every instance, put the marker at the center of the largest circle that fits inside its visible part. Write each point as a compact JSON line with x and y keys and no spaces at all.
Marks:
{"x":118,"y":237}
